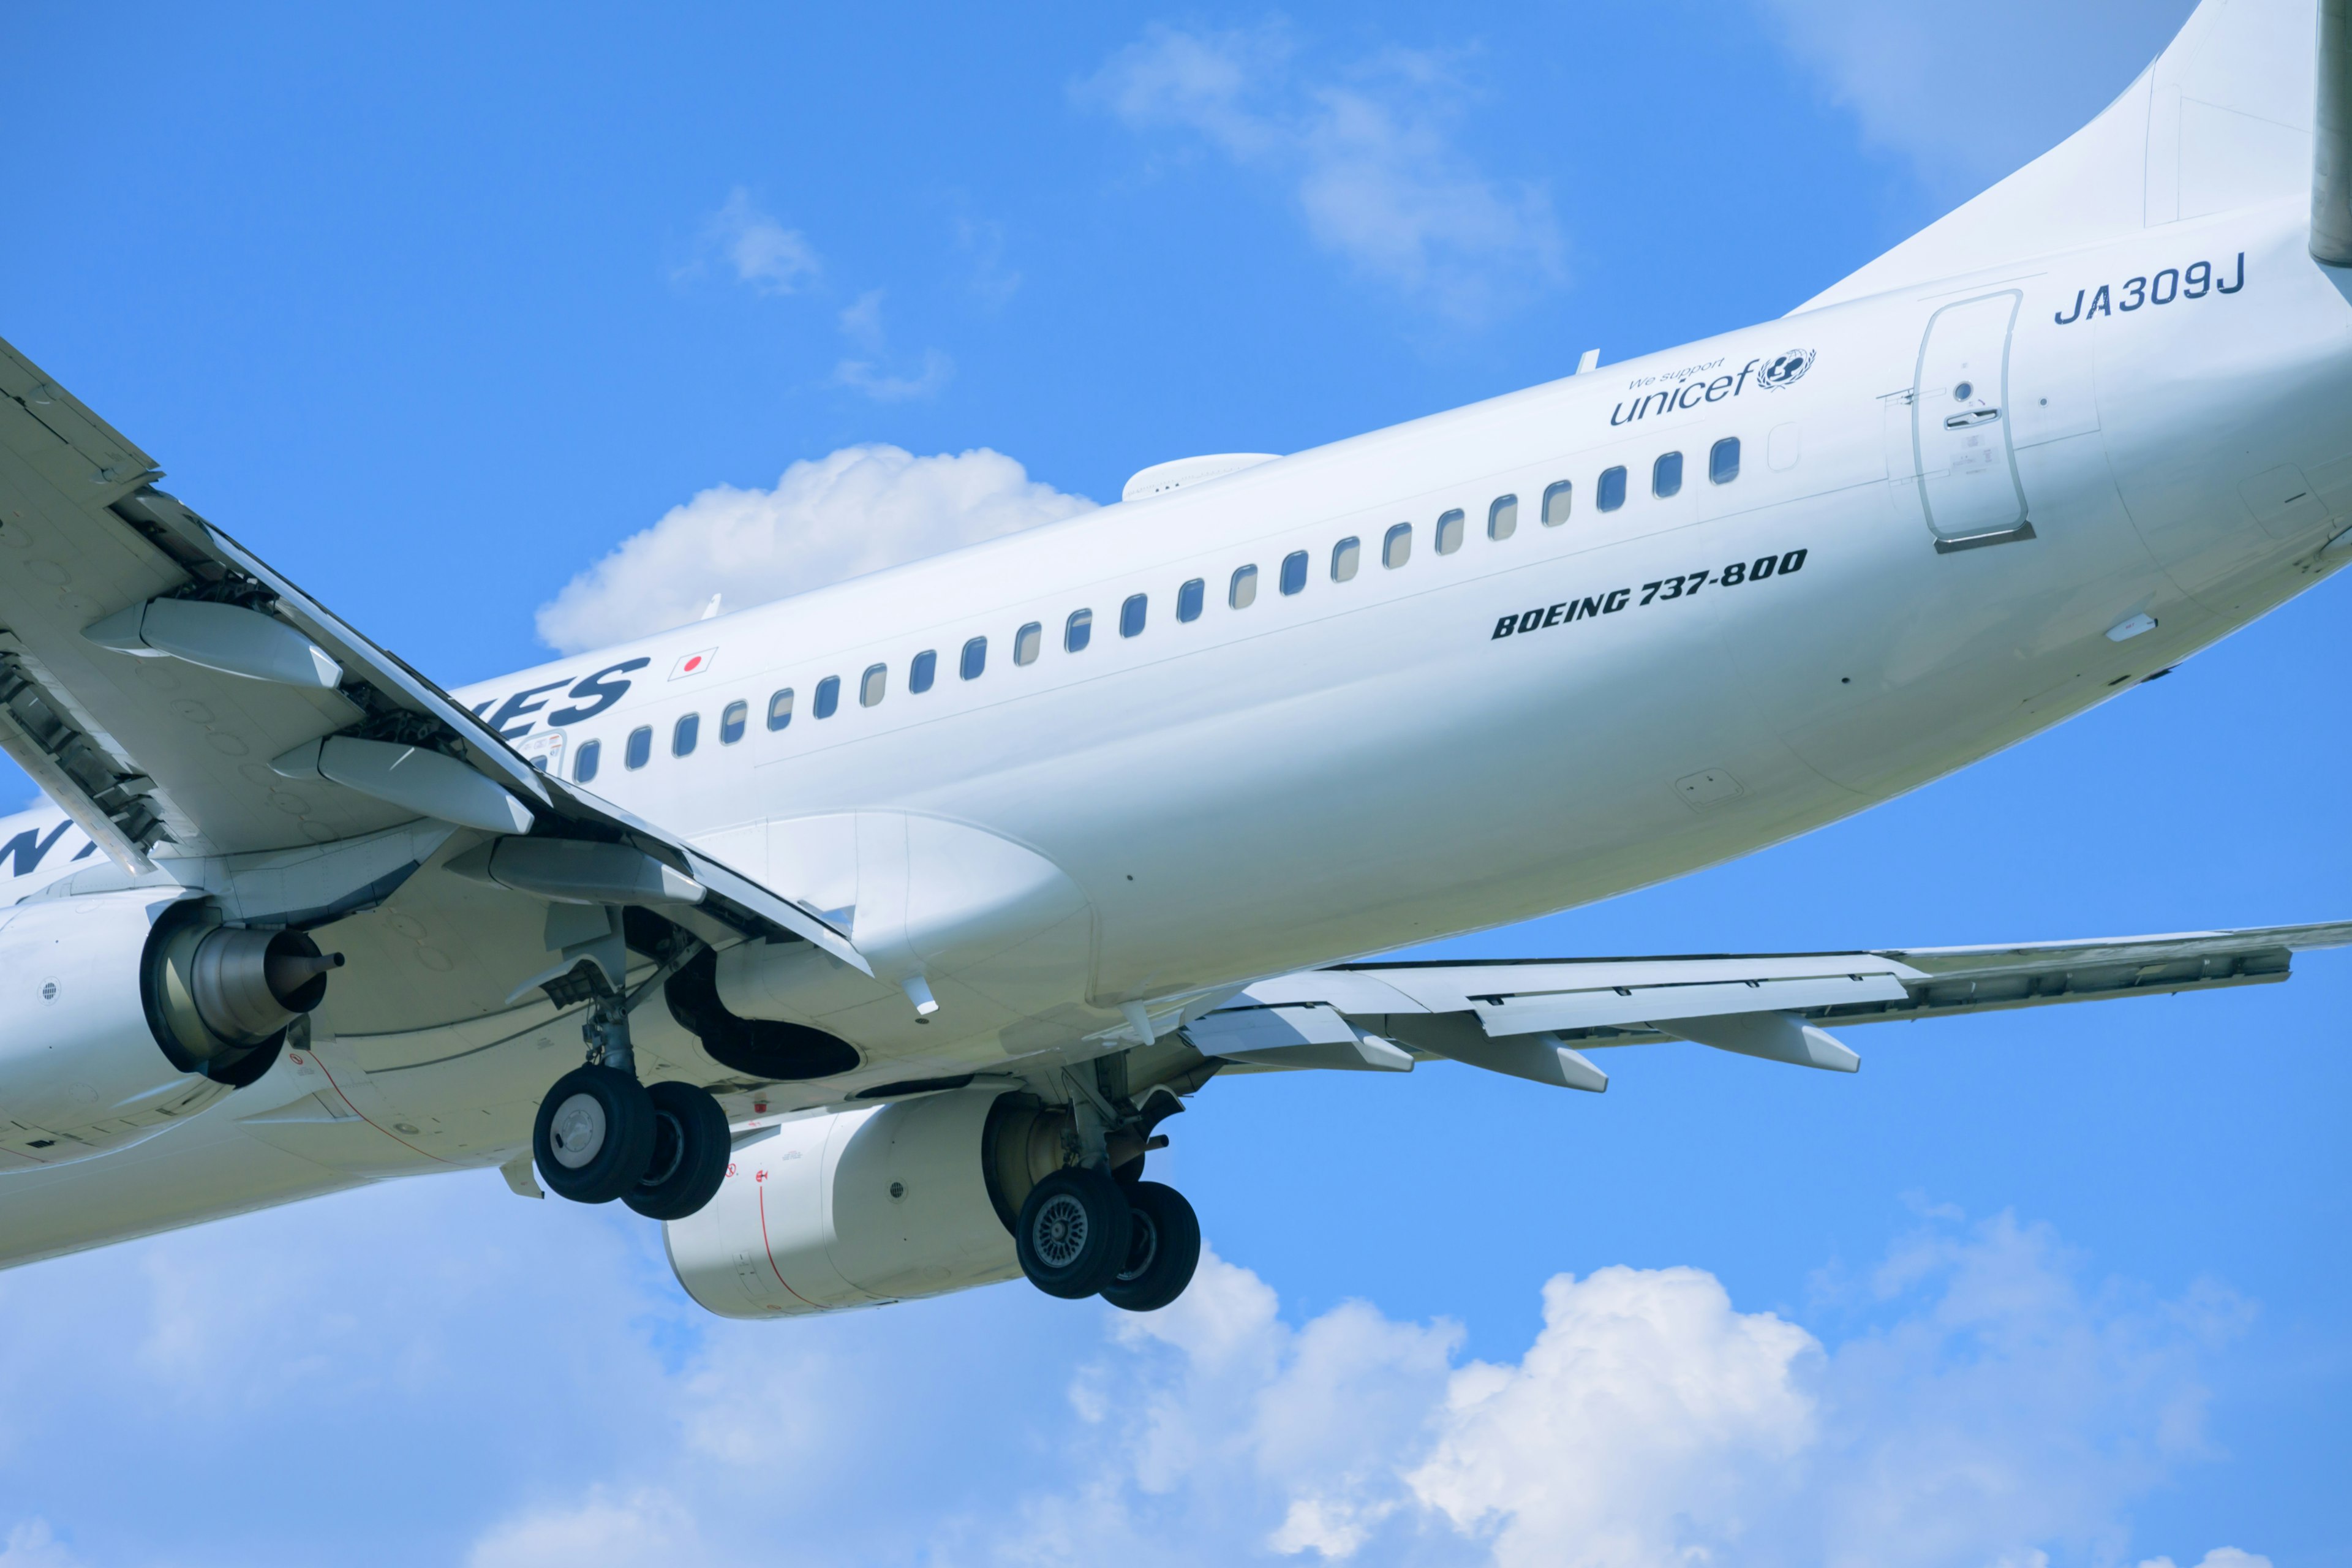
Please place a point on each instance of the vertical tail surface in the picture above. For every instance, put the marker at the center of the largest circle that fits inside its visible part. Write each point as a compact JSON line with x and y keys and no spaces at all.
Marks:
{"x":2222,"y":120}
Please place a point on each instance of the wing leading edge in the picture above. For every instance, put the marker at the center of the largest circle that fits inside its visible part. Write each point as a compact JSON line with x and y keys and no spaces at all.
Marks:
{"x":170,"y":689}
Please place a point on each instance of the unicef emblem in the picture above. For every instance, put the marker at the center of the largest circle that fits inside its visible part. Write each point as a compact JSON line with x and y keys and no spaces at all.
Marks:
{"x":1783,"y":369}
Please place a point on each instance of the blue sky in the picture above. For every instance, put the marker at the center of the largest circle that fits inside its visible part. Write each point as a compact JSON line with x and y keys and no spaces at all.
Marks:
{"x":438,"y":309}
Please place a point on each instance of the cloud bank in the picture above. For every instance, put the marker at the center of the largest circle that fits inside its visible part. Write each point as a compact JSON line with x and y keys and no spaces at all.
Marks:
{"x":1998,"y":1412}
{"x":1367,"y":152}
{"x":857,"y":511}
{"x":526,"y":1385}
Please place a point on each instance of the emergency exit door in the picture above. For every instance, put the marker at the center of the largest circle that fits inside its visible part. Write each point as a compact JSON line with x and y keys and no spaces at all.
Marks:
{"x":1960,"y":426}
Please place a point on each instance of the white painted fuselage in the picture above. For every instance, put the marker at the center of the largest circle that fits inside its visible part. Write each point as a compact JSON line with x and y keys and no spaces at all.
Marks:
{"x":1452,"y":738}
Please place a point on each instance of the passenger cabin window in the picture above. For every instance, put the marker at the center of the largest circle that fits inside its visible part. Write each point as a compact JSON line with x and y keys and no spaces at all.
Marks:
{"x":780,"y":709}
{"x":1130,"y":615}
{"x":584,"y":761}
{"x":829,"y":695}
{"x":1026,"y":642}
{"x":1723,"y":462}
{"x":1556,"y":501}
{"x":1079,"y":632}
{"x":1666,"y":475}
{"x":1189,"y":599}
{"x":1345,"y":557}
{"x":1503,"y":517}
{"x":1396,"y":547}
{"x":640,"y":749}
{"x":1449,"y":533}
{"x":1293,"y":571}
{"x":923,"y":671}
{"x":975,"y":659}
{"x":684,"y":733}
{"x":1243,"y":591}
{"x":731,"y":719}
{"x":1612,"y":490}
{"x":873,"y":685}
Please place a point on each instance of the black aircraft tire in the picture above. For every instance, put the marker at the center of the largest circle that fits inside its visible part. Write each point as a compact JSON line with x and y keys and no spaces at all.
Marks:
{"x":594,"y":1135}
{"x":691,"y":1144}
{"x":1162,"y":1251}
{"x":1073,"y":1232}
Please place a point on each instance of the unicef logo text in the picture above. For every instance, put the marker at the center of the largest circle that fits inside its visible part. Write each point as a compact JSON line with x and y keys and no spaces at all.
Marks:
{"x":1689,"y":387}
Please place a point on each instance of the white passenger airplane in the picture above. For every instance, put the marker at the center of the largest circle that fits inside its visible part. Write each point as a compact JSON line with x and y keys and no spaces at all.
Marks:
{"x":896,"y":917}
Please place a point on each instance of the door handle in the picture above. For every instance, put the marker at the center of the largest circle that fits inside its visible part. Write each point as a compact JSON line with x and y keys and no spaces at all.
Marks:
{"x":1973,"y":417}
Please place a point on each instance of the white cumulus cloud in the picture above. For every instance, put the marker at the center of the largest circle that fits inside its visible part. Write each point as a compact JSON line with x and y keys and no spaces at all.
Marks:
{"x":529,"y":1380}
{"x":32,"y":1544}
{"x":1369,"y":151}
{"x":855,"y":510}
{"x":1989,"y":1409}
{"x":1966,"y":102}
{"x":861,"y":323}
{"x":1648,"y":1417}
{"x":645,"y":1530}
{"x":763,"y":253}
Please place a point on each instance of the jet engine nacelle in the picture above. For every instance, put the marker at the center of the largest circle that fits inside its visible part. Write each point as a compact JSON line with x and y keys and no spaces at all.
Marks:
{"x":858,"y":1207}
{"x":121,"y":1013}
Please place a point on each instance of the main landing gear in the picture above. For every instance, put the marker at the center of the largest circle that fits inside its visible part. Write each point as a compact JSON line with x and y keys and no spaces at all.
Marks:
{"x":1083,"y":1232}
{"x":601,"y":1135}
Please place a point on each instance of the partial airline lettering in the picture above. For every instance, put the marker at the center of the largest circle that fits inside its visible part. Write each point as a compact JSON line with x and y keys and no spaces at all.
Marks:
{"x":599,"y":691}
{"x":26,"y":852}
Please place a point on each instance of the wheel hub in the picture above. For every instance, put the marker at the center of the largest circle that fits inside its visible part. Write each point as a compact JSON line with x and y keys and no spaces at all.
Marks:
{"x":577,"y":1133}
{"x":669,"y":1150}
{"x":1140,"y":1251}
{"x":1060,"y":1230}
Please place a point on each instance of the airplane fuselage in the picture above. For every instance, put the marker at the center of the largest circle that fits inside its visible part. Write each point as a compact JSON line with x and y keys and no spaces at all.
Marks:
{"x":1534,"y":699}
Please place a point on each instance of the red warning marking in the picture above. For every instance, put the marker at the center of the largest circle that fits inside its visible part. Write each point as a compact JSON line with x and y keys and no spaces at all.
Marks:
{"x":770,"y":1251}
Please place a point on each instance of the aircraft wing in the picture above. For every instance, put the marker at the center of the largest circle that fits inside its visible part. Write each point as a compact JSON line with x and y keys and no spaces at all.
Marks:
{"x":1534,"y":1017}
{"x":176,"y":694}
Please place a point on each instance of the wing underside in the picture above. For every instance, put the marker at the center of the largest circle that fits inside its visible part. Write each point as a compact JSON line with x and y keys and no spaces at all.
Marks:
{"x":1534,"y":1017}
{"x":182,"y":699}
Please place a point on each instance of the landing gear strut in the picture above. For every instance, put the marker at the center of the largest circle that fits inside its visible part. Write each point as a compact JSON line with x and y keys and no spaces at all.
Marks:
{"x":1090,"y":1225}
{"x":601,"y":1135}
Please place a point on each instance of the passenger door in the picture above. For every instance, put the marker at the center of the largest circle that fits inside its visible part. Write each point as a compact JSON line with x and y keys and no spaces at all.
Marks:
{"x":1960,"y":426}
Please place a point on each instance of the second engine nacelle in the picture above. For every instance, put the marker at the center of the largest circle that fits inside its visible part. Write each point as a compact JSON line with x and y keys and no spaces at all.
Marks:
{"x":121,"y":1013}
{"x":858,"y":1207}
